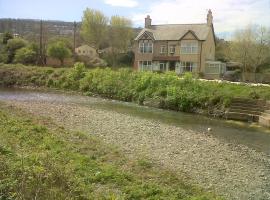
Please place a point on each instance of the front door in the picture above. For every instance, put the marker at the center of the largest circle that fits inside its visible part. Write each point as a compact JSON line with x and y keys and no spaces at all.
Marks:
{"x":172,"y":66}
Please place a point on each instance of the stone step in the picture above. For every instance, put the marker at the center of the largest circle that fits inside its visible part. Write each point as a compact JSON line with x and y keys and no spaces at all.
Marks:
{"x":246,"y":110}
{"x":264,"y":121}
{"x":266,"y":115}
{"x":242,"y":116}
{"x":241,"y":107}
{"x":249,"y":101}
{"x":267,"y":111}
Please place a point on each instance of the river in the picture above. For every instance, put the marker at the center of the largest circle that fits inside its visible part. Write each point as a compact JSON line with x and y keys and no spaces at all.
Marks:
{"x":254,"y":137}
{"x":233,"y":159}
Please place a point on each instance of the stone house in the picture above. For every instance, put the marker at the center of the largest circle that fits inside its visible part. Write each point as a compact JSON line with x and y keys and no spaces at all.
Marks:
{"x":178,"y":47}
{"x":87,"y":51}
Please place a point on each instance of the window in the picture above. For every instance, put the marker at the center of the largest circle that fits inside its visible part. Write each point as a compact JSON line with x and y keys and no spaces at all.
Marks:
{"x":212,"y":68}
{"x":146,"y":47}
{"x":172,"y":49}
{"x":188,"y":47}
{"x":145,"y":65}
{"x":162,"y":49}
{"x":162,"y":66}
{"x":188,"y":67}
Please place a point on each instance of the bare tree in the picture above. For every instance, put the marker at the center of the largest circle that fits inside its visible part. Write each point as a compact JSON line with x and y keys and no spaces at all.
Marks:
{"x":250,"y":47}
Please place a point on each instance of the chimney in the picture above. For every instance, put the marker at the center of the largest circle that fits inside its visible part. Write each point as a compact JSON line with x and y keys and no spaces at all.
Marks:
{"x":148,"y":22}
{"x":209,"y":18}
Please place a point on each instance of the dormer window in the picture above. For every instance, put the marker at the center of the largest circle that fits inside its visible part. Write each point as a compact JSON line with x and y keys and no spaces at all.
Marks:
{"x":146,"y":47}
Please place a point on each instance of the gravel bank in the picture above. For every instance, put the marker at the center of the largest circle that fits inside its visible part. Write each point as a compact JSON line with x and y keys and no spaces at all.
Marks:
{"x":237,"y":172}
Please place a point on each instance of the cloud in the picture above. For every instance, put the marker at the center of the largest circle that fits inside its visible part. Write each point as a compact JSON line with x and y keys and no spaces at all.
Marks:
{"x":229,"y":15}
{"x":122,"y":3}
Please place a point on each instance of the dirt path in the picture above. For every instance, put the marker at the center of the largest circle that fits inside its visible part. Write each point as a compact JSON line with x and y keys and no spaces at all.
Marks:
{"x":235,"y":171}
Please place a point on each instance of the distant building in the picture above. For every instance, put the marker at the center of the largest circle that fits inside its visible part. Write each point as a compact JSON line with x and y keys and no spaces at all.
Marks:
{"x":87,"y":51}
{"x":178,"y":47}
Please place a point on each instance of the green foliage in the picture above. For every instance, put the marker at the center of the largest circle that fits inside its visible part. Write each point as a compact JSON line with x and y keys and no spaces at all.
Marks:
{"x":47,"y":162}
{"x":12,"y":46}
{"x":7,"y":36}
{"x":74,"y":76}
{"x":3,"y":56}
{"x":25,"y":55}
{"x":167,"y":91}
{"x":59,"y":50}
{"x":94,"y":27}
{"x":15,"y":44}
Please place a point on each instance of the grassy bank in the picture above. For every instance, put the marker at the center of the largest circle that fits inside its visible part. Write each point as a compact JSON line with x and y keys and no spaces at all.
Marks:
{"x":166,"y":91}
{"x":39,"y":160}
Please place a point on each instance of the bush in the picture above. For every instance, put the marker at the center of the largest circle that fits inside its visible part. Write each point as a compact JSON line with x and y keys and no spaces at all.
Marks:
{"x":165,"y":90}
{"x":25,"y":55}
{"x":59,"y":50}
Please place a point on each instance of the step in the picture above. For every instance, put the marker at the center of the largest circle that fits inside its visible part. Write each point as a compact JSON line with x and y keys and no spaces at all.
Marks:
{"x":246,"y":104}
{"x":266,"y":115}
{"x":267,"y":111}
{"x":242,"y":116}
{"x":247,"y":111}
{"x":259,"y":109}
{"x":264,"y":121}
{"x":249,"y":101}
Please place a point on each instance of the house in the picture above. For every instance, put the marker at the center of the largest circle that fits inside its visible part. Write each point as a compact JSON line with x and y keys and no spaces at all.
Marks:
{"x":87,"y":51}
{"x":178,"y":47}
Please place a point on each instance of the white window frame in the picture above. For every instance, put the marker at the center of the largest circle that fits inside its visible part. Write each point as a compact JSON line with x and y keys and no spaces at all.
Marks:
{"x":188,"y":66}
{"x":163,"y":49}
{"x":146,"y":65}
{"x":172,"y":49}
{"x":163,"y":66}
{"x":189,"y":47}
{"x":146,"y":47}
{"x":215,"y":66}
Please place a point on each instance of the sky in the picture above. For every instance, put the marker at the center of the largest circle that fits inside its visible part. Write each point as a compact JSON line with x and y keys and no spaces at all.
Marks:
{"x":229,"y":15}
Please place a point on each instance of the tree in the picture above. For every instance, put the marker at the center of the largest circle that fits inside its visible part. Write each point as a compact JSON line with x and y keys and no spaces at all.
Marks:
{"x":250,"y":47}
{"x":94,"y":27}
{"x":25,"y":55}
{"x":12,"y":46}
{"x":120,"y":33}
{"x":223,"y":49}
{"x":59,"y":51}
{"x":7,"y":36}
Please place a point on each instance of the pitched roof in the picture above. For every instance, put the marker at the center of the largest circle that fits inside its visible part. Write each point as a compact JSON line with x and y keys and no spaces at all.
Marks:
{"x":176,"y":31}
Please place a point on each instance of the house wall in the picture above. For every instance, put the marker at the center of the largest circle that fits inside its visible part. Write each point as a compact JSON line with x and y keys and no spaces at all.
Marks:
{"x":208,"y":50}
{"x":140,"y":56}
{"x":86,"y":51}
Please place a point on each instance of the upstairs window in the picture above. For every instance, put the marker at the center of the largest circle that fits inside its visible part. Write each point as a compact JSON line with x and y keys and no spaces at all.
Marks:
{"x":189,"y":47}
{"x":146,"y":47}
{"x":162,"y":49}
{"x":172,"y":49}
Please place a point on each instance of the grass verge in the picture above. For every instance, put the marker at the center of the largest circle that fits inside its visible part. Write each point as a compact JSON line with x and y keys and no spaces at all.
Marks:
{"x":40,"y":160}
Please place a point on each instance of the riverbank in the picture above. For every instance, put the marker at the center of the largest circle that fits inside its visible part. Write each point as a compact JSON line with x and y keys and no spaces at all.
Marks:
{"x":166,"y":91}
{"x":235,"y":171}
{"x":39,"y":159}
